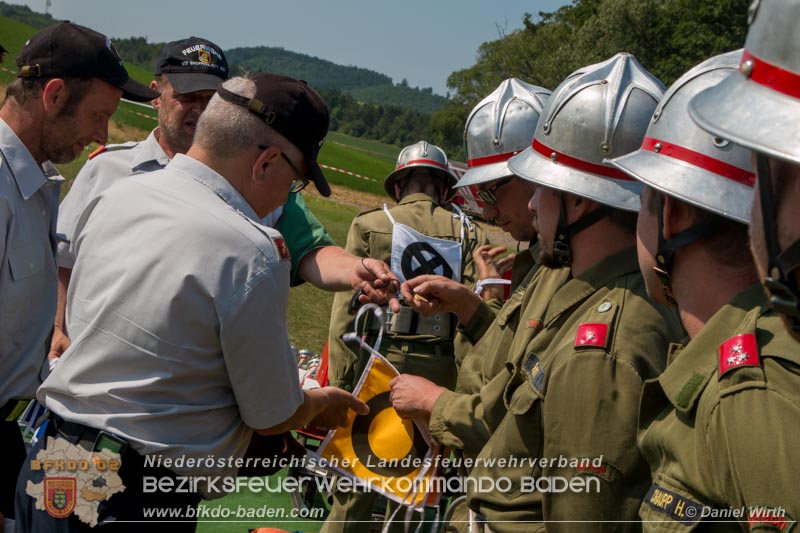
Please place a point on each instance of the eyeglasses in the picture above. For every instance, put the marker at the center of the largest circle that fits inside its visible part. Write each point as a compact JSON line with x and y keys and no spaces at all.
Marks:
{"x":488,"y":194}
{"x":297,"y":184}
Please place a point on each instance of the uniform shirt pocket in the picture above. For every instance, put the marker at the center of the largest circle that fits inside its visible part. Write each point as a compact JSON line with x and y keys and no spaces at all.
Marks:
{"x":26,"y":261}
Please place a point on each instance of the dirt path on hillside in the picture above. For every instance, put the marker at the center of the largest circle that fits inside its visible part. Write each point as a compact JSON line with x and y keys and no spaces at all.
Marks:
{"x":364,"y":200}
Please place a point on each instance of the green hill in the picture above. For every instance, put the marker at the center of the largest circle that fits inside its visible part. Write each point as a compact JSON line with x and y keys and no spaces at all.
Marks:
{"x":363,"y":84}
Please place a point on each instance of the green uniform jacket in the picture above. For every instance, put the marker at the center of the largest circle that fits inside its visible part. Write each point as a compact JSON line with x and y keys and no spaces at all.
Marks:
{"x":721,"y":438}
{"x":466,"y":421}
{"x":371,"y":236}
{"x":574,"y":393}
{"x":493,"y":325}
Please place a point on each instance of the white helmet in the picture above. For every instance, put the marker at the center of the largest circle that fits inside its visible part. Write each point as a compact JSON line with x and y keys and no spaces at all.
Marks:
{"x":684,"y":161}
{"x":499,"y":127}
{"x":760,"y":107}
{"x":421,"y":154}
{"x":599,"y":111}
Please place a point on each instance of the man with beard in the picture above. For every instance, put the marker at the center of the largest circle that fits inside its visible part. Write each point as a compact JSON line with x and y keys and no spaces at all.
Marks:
{"x":68,"y":85}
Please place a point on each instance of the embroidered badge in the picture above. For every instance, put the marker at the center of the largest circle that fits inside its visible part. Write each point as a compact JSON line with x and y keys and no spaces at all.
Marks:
{"x":283,"y":249}
{"x":738,"y":351}
{"x":594,"y":466}
{"x":535,"y":324}
{"x":535,"y":371}
{"x":769,"y":517}
{"x":203,"y":56}
{"x":60,"y":496}
{"x":591,"y":335}
{"x":673,"y":505}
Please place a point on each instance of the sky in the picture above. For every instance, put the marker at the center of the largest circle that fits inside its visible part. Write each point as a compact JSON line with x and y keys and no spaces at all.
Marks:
{"x":422,"y":41}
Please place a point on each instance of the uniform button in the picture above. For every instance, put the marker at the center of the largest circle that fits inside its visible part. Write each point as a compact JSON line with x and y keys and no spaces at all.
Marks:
{"x":605,"y":306}
{"x":348,"y":388}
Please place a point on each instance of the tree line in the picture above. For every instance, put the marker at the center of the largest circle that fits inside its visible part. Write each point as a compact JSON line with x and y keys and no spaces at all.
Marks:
{"x":667,"y":37}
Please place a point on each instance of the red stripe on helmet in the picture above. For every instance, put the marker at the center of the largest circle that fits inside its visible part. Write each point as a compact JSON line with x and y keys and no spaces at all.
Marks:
{"x":423,"y":162}
{"x":772,"y":76}
{"x":697,"y":159}
{"x":489,"y":159}
{"x":579,"y":164}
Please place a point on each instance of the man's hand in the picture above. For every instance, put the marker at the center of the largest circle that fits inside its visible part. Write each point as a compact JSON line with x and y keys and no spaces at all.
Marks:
{"x":429,"y":295}
{"x":488,"y":264}
{"x":336,"y":411}
{"x":59,"y":344}
{"x":414,"y":396}
{"x":377,"y":283}
{"x":490,"y":267}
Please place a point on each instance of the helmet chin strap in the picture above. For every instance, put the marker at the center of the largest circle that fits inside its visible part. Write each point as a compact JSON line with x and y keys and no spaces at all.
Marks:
{"x":783,"y":291}
{"x":562,"y":251}
{"x":665,"y":254}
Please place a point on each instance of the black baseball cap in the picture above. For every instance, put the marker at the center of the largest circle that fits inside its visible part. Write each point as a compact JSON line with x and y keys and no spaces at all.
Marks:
{"x":3,"y":49}
{"x":70,"y":50}
{"x":295,"y":111}
{"x":192,"y":64}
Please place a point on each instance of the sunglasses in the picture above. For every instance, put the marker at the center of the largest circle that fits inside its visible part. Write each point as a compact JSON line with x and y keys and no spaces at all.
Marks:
{"x":488,"y":194}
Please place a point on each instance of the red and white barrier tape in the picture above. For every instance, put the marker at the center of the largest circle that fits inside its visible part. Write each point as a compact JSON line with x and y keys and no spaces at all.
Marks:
{"x":359,"y":176}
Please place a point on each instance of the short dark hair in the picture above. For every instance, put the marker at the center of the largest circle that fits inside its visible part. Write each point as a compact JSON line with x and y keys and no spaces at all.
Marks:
{"x":723,"y":245}
{"x":23,"y":90}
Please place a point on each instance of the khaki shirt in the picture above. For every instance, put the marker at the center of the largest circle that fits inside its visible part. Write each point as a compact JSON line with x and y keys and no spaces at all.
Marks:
{"x":467,"y":419}
{"x":28,"y":279}
{"x":573,"y":393}
{"x":371,"y":236}
{"x":720,"y":426}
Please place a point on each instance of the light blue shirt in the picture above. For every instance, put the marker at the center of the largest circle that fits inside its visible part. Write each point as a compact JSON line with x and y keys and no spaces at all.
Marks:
{"x":28,"y":272}
{"x":177,"y":310}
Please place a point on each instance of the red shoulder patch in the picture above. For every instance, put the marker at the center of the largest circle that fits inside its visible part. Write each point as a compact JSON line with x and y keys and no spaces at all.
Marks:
{"x":283,"y":248}
{"x":737,"y":351}
{"x":98,"y":151}
{"x":591,"y":335}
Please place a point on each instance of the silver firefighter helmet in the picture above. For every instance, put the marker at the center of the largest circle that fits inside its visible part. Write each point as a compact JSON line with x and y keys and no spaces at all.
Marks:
{"x":684,"y":161}
{"x":759,"y":107}
{"x":419,"y":155}
{"x":499,"y":127}
{"x":599,"y":111}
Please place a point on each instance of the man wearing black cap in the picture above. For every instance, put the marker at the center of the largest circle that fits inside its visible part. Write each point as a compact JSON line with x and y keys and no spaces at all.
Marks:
{"x":69,"y":82}
{"x":180,"y":351}
{"x":187,"y":73}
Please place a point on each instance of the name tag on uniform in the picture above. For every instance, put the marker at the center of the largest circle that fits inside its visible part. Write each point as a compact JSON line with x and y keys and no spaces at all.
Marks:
{"x":673,"y":504}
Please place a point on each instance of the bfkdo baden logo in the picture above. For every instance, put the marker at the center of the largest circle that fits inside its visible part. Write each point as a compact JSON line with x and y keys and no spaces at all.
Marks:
{"x":60,"y":496}
{"x":75,"y":480}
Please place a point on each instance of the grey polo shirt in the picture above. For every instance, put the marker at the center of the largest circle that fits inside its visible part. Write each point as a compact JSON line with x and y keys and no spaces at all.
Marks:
{"x":28,"y":281}
{"x":103,"y":169}
{"x":177,"y":309}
